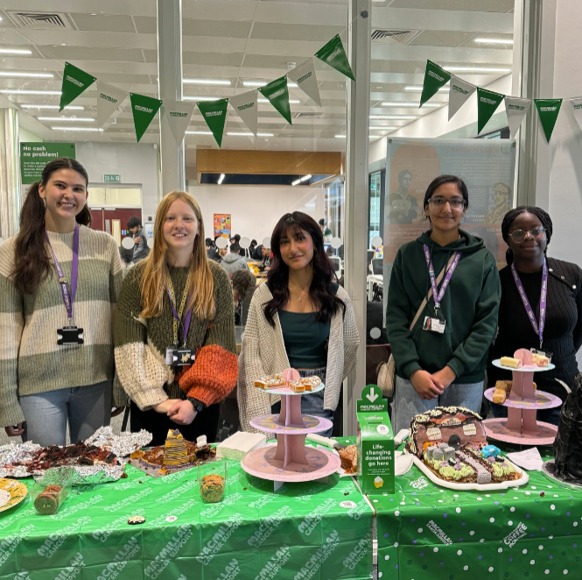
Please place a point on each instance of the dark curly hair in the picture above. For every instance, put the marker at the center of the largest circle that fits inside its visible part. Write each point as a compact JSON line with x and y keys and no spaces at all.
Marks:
{"x":324,"y":284}
{"x":510,"y":217}
{"x":31,"y":261}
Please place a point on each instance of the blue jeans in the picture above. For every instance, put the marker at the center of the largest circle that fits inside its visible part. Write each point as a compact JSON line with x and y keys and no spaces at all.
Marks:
{"x":312,"y":403}
{"x":406,"y":403}
{"x":85,"y":409}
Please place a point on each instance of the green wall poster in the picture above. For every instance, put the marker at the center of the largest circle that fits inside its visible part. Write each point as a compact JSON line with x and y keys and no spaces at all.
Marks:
{"x":34,"y":156}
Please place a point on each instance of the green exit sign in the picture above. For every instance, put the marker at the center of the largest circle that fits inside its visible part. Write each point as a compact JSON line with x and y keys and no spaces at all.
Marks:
{"x":112,"y":177}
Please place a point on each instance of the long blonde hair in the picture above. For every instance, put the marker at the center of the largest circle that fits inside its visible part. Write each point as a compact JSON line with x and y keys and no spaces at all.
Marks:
{"x":156,"y":275}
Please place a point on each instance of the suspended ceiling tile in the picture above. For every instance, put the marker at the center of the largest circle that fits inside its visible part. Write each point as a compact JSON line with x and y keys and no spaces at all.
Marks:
{"x":98,"y":22}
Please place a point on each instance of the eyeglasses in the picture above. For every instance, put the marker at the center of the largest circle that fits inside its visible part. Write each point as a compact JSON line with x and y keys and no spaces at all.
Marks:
{"x":519,"y":235}
{"x":455,"y":203}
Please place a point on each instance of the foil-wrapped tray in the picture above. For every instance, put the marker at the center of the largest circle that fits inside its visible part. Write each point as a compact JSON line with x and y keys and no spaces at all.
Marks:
{"x":20,"y":460}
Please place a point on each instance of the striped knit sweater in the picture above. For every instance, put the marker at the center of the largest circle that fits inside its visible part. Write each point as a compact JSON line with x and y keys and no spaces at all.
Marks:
{"x":31,"y":362}
{"x":140,"y":345}
{"x":263,"y":353}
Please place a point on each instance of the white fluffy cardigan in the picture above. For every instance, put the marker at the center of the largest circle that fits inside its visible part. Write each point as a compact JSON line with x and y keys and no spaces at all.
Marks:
{"x":263,"y":353}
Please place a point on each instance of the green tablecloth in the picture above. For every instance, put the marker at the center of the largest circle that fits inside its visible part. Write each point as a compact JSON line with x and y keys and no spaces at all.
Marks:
{"x":307,"y":530}
{"x":530,"y":532}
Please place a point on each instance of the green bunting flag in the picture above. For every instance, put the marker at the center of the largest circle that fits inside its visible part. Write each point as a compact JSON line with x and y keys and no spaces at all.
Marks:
{"x":435,"y":77}
{"x":487,"y":103}
{"x":548,"y":110}
{"x":144,"y":110}
{"x":75,"y":81}
{"x":214,"y":113}
{"x":278,"y":95}
{"x":334,"y":55}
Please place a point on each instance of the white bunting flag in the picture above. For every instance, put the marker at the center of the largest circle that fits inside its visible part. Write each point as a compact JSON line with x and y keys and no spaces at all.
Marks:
{"x":516,"y":109}
{"x":246,"y":107}
{"x":459,"y":92}
{"x":109,"y":99}
{"x":304,"y":76}
{"x":576,"y":104}
{"x":177,"y":114}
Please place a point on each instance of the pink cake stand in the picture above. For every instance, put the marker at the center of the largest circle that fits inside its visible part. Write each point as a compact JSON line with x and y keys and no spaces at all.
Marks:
{"x":521,"y":426}
{"x":290,"y":460}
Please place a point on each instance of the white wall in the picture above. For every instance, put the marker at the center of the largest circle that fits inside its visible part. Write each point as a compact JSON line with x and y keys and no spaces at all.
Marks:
{"x":255,"y":209}
{"x":136,"y":163}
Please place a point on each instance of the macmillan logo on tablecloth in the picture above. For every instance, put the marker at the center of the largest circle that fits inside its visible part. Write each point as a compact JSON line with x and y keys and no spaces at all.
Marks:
{"x":129,"y":500}
{"x":311,"y":522}
{"x":8,"y":546}
{"x":178,"y":511}
{"x":419,"y":483}
{"x":267,"y":526}
{"x":168,"y":553}
{"x":360,"y":550}
{"x":316,"y":561}
{"x":219,"y":538}
{"x":69,"y":511}
{"x":103,"y":534}
{"x":261,"y":502}
{"x":55,"y":541}
{"x":120,"y":560}
{"x":214,"y":510}
{"x":358,"y":510}
{"x":75,"y":567}
{"x":438,"y":532}
{"x":275,"y":564}
{"x":231,"y":571}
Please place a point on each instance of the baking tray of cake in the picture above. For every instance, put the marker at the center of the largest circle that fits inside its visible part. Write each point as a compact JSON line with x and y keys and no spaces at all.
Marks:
{"x":468,"y":486}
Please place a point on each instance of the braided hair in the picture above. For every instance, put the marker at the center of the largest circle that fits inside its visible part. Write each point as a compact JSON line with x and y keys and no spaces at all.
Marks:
{"x":509,"y":218}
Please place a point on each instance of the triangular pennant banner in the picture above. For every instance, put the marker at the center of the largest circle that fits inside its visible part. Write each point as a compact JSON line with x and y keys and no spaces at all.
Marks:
{"x":278,"y":95}
{"x":177,"y":114}
{"x":246,"y":107}
{"x":75,"y":81}
{"x":144,"y":110}
{"x":576,"y":104}
{"x":304,"y":76}
{"x":334,"y":55}
{"x":214,"y":113}
{"x":459,"y":92}
{"x":487,"y":103}
{"x":516,"y":109}
{"x":109,"y":99}
{"x":435,"y":77}
{"x":548,"y":111}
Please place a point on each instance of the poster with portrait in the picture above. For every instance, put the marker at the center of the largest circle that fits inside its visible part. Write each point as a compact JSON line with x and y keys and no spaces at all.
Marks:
{"x":222,"y":225}
{"x":487,"y":166}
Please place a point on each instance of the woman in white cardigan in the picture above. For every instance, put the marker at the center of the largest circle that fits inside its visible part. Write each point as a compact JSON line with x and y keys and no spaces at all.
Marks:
{"x":299,"y":318}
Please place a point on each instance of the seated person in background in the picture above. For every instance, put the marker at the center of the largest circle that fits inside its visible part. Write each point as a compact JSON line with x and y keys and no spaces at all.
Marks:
{"x":211,"y":250}
{"x":233,"y":261}
{"x":257,"y":253}
{"x":252,"y":247}
{"x":236,"y":240}
{"x":141,"y":248}
{"x":266,"y":259}
{"x":299,"y":318}
{"x":243,"y":286}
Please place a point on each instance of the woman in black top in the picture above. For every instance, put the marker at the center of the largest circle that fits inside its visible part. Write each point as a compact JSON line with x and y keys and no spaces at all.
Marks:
{"x":527,"y":231}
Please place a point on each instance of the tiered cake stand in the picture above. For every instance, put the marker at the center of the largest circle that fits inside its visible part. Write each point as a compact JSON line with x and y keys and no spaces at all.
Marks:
{"x":521,"y":426}
{"x":289,"y":460}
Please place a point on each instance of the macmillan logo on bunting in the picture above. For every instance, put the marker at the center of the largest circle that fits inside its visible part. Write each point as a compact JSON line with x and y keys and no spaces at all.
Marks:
{"x":177,"y":114}
{"x":487,"y":103}
{"x":304,"y":76}
{"x":214,"y":113}
{"x":435,"y":78}
{"x":576,"y":104}
{"x":459,"y":92}
{"x":548,"y":111}
{"x":516,"y":109}
{"x":246,"y":107}
{"x":334,"y":55}
{"x":109,"y":99}
{"x":75,"y":82}
{"x":278,"y":95}
{"x":144,"y":110}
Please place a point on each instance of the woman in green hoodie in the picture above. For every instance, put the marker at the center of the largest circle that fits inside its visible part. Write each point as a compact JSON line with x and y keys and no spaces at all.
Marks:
{"x":442,"y":360}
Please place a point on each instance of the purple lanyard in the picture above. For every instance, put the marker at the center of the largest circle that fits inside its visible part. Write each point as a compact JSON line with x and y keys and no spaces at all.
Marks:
{"x":68,"y":293}
{"x":177,"y":314}
{"x":437,"y":295}
{"x":538,"y":328}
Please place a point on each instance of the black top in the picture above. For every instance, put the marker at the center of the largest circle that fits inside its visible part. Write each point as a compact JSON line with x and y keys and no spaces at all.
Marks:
{"x":563,"y":330}
{"x":305,"y":339}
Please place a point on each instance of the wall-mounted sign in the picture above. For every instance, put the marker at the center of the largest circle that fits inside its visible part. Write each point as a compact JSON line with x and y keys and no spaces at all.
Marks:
{"x":111,"y":178}
{"x":34,"y":156}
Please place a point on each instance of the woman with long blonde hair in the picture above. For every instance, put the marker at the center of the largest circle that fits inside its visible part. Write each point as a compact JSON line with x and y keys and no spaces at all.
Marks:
{"x":174,"y":332}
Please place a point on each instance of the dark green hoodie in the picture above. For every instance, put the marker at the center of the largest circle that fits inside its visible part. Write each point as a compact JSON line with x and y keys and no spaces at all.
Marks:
{"x":470,"y":308}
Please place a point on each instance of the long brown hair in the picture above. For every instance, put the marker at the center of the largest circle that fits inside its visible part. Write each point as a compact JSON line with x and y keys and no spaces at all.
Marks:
{"x":156,"y":274}
{"x":31,"y":260}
